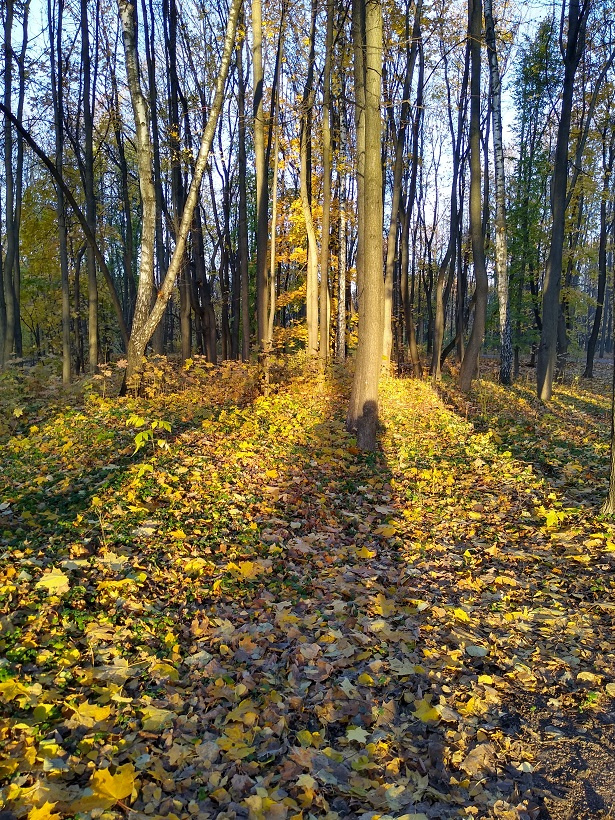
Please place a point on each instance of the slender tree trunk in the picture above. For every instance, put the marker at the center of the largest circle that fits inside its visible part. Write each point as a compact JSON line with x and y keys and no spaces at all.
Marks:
{"x":412,"y":50}
{"x":262,"y":189}
{"x":469,"y":364}
{"x":305,"y":184}
{"x":571,"y":53}
{"x":501,"y":248}
{"x":608,"y":508}
{"x":55,"y":19}
{"x":363,"y":411}
{"x":340,"y":336}
{"x":608,"y":157}
{"x":21,"y":63}
{"x":454,"y":221}
{"x":326,"y":196}
{"x":161,"y":245}
{"x":9,"y":182}
{"x":243,"y":207}
{"x":274,"y":220}
{"x":88,"y":181}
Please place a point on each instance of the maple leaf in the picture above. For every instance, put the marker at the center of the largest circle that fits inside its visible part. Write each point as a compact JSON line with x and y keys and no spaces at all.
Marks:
{"x":358,"y":734}
{"x":88,"y":714}
{"x":105,"y":789}
{"x":54,"y":582}
{"x":44,"y":812}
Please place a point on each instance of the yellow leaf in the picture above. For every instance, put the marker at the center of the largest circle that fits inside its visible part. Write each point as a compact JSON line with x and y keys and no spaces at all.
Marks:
{"x":195,"y":567}
{"x":11,"y":689}
{"x":105,"y":789}
{"x":55,"y":582}
{"x":116,"y":786}
{"x":461,"y":615}
{"x":386,"y":530}
{"x":178,"y":534}
{"x":44,"y":813}
{"x":505,"y":580}
{"x":154,"y":719}
{"x":304,"y":737}
{"x":365,"y":553}
{"x":271,"y":473}
{"x":7,"y":767}
{"x":88,"y":714}
{"x":425,"y":712}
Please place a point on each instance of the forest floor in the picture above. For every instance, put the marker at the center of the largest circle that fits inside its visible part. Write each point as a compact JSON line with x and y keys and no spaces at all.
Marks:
{"x":252,"y":619}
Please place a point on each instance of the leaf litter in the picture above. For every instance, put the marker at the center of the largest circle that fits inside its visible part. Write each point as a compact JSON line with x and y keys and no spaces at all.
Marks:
{"x":269,"y":624}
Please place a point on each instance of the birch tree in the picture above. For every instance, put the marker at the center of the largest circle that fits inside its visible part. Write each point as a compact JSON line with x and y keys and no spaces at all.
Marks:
{"x":146,"y":316}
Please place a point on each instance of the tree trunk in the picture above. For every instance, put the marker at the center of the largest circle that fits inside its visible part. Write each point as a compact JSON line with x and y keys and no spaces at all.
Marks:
{"x":501,"y":249}
{"x":608,"y":156}
{"x":340,"y":336}
{"x":88,"y":182}
{"x":57,"y":94}
{"x":305,"y":148}
{"x":262,"y":189}
{"x":547,"y":350}
{"x":243,"y":207}
{"x":326,"y":195}
{"x":469,"y":364}
{"x":363,"y":411}
{"x":9,"y":181}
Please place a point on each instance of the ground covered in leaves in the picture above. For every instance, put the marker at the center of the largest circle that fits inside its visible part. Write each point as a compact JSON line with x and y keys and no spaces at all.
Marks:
{"x":248,"y":618}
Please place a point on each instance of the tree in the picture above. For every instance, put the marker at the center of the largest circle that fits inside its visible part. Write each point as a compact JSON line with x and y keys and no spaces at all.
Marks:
{"x":470,"y":359}
{"x":572,"y":43}
{"x":608,"y":159}
{"x":10,"y":332}
{"x":501,"y":249}
{"x":367,"y":46}
{"x":57,"y":93}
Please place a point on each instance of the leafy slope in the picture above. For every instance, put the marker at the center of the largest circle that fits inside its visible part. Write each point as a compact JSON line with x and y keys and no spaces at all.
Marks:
{"x":261,"y":622}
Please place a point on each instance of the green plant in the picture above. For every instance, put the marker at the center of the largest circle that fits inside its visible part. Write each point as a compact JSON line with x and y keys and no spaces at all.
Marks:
{"x":148,"y":433}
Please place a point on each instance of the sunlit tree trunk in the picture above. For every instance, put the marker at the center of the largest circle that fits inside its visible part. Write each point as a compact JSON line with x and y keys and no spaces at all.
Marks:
{"x":305,"y":182}
{"x":363,"y":410}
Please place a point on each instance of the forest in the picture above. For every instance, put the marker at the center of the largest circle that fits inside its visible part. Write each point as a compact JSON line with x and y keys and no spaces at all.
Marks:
{"x":307,"y":477}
